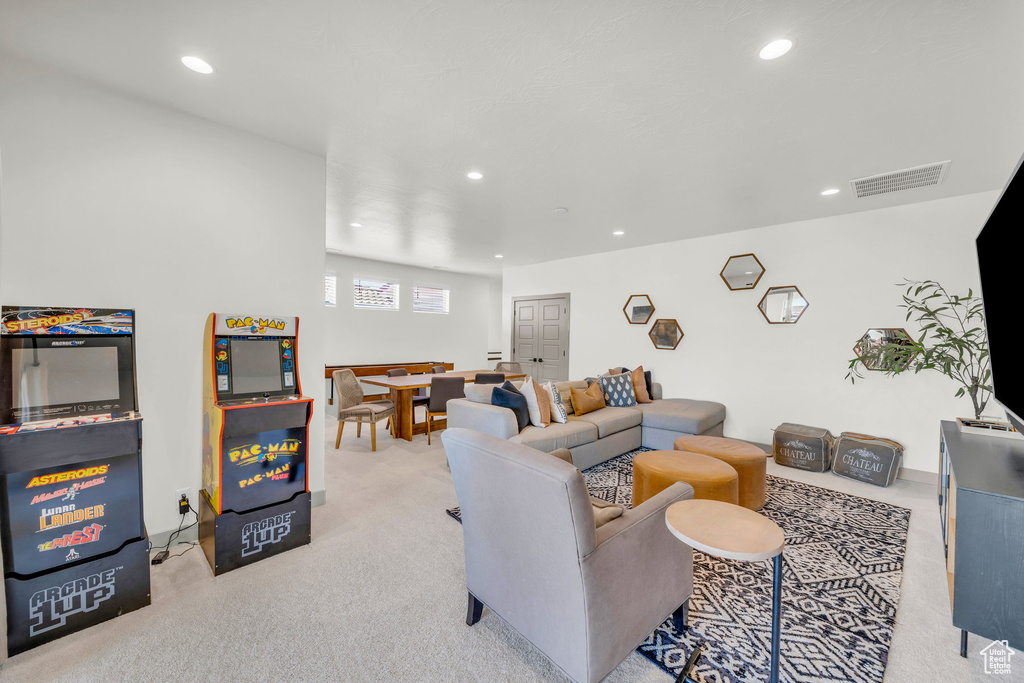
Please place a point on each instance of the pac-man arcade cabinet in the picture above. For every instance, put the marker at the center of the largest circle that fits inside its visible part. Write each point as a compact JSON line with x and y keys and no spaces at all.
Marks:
{"x":255,"y":500}
{"x":75,"y":550}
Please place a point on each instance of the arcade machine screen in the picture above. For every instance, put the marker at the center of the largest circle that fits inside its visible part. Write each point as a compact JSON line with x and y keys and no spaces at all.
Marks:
{"x":64,"y":375}
{"x":255,"y":366}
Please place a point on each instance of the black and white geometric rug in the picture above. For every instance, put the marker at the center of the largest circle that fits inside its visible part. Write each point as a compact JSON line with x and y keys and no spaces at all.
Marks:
{"x":840,"y":588}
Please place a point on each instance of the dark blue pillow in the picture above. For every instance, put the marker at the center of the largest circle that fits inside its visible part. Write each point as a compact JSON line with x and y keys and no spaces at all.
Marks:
{"x":508,"y":386}
{"x":515,"y":401}
{"x":649,"y":383}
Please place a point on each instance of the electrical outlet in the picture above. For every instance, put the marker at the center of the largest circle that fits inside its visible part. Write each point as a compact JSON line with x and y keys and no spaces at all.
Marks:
{"x":182,"y":492}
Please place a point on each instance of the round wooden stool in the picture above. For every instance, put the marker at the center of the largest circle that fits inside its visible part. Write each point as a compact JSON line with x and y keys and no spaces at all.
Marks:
{"x":749,"y":461}
{"x":711,"y":479}
{"x":734,"y":533}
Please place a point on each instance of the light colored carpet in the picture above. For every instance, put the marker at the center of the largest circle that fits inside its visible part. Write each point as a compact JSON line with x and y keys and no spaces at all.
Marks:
{"x":379,"y":595}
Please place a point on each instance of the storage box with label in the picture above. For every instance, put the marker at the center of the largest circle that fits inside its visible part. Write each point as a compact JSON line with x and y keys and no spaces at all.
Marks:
{"x":868,"y":458}
{"x":803,"y":447}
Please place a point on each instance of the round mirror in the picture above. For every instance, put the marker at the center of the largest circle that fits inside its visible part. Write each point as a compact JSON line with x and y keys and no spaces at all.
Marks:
{"x":885,"y":348}
{"x":742,"y":272}
{"x":638,"y":309}
{"x":665,"y":333}
{"x":782,"y":305}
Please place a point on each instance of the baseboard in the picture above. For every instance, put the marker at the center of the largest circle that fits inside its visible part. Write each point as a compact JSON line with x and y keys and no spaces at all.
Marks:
{"x":190,"y":534}
{"x":920,"y":476}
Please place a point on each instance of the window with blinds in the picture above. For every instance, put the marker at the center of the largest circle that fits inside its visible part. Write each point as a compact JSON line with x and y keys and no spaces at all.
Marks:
{"x":375,"y":294}
{"x":330,"y":290}
{"x":429,"y":299}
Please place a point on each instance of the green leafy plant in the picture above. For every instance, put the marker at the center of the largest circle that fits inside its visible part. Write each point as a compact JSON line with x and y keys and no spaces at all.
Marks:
{"x":952,"y":341}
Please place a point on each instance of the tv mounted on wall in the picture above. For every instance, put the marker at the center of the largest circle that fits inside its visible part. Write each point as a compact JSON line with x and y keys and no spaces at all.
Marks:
{"x":1000,"y":245}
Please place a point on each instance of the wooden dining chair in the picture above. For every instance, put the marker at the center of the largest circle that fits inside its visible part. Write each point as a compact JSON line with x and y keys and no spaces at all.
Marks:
{"x":351,"y":407}
{"x":420,"y":399}
{"x":442,"y":390}
{"x":489,"y":377}
{"x":509,"y":366}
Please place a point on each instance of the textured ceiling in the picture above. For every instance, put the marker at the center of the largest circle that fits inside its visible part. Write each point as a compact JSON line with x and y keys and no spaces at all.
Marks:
{"x":656,"y":118}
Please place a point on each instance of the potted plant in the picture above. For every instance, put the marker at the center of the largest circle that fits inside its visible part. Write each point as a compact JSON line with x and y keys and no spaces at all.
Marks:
{"x":952,"y":341}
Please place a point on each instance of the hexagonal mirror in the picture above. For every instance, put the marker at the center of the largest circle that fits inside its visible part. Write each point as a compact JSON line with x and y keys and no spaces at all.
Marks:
{"x":885,"y":348}
{"x":742,"y":272}
{"x":782,"y":305}
{"x":665,"y":333}
{"x":638,"y":309}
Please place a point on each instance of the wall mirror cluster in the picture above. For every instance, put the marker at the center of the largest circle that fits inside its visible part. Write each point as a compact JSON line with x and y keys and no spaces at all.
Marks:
{"x":666,"y":333}
{"x":782,"y":305}
{"x":638,"y":309}
{"x":885,"y":348}
{"x":742,"y":272}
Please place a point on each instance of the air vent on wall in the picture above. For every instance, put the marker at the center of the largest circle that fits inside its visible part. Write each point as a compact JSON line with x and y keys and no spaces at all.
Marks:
{"x":908,"y":178}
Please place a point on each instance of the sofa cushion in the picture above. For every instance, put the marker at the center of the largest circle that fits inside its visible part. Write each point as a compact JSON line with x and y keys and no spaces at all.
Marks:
{"x":682,"y":415}
{"x":584,"y":402}
{"x":575,"y":432}
{"x":479,"y":393}
{"x":618,"y":390}
{"x":540,"y":412}
{"x":512,"y":399}
{"x":611,"y":420}
{"x":564,"y":390}
{"x":559,"y":413}
{"x":638,"y":376}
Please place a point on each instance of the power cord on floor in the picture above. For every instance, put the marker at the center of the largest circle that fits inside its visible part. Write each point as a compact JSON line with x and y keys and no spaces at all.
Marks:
{"x":165,"y":553}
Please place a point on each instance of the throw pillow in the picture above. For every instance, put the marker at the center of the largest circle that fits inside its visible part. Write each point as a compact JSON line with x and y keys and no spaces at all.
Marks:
{"x":532,"y":403}
{"x":516,"y":402}
{"x":558,"y":412}
{"x":618,"y":390}
{"x":640,"y":385}
{"x":564,"y":389}
{"x":584,"y":402}
{"x":650,"y":383}
{"x":479,"y":393}
{"x":543,"y":402}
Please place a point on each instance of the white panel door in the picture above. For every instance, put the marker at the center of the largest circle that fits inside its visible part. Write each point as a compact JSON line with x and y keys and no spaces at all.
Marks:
{"x":540,"y":337}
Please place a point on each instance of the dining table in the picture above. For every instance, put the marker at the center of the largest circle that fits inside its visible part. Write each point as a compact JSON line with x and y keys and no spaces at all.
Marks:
{"x":404,"y":387}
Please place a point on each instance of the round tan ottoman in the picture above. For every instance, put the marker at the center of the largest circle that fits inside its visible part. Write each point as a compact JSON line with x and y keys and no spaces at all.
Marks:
{"x":749,"y":461}
{"x":711,"y":479}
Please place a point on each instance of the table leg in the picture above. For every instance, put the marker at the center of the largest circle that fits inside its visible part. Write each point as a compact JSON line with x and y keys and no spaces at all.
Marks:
{"x":402,"y":399}
{"x":776,"y":617}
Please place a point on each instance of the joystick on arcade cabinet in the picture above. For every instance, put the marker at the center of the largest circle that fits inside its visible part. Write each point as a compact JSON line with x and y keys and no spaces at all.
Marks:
{"x":75,"y":550}
{"x":255,"y":499}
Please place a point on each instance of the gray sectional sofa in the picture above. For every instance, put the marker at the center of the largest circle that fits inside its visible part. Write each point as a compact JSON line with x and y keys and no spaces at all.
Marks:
{"x":598,"y":436}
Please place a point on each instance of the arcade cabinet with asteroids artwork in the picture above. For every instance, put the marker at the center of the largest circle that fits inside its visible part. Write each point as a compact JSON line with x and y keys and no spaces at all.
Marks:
{"x":255,"y":499}
{"x":74,"y":544}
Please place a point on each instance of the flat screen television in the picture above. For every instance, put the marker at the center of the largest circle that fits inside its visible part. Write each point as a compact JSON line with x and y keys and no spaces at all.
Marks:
{"x":1000,"y":245}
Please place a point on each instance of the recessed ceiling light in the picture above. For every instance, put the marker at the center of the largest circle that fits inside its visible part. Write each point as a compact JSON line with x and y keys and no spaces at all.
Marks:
{"x":474,"y":175}
{"x":498,"y":256}
{"x":356,"y":225}
{"x":776,"y":48}
{"x":829,"y":192}
{"x":618,"y":232}
{"x":197,"y":65}
{"x":561,"y":209}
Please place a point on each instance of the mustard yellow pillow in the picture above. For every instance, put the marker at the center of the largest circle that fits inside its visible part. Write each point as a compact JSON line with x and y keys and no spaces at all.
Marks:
{"x":584,"y":402}
{"x":640,"y":386}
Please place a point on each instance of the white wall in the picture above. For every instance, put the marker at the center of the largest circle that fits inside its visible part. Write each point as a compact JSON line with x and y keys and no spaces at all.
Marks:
{"x":109,"y":201}
{"x":367,"y":336}
{"x":845,"y":266}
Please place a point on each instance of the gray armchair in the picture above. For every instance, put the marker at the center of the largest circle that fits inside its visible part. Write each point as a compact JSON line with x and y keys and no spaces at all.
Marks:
{"x":586,"y":597}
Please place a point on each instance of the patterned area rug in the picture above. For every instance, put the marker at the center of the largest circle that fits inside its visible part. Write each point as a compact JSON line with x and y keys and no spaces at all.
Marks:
{"x":841,"y":585}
